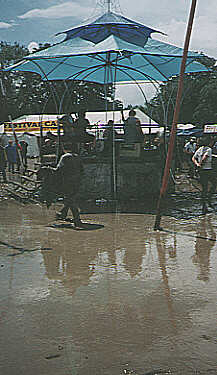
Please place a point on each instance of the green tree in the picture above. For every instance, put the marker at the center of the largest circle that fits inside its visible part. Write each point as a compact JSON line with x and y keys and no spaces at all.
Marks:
{"x":198,"y":104}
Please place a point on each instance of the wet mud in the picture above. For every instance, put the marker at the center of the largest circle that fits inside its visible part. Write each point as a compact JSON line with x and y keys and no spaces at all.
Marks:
{"x":114,"y":297}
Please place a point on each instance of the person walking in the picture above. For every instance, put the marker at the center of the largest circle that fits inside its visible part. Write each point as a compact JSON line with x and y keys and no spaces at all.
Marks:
{"x":3,"y":163}
{"x":11,"y":152}
{"x":70,"y":169}
{"x":189,"y":150}
{"x":202,"y":158}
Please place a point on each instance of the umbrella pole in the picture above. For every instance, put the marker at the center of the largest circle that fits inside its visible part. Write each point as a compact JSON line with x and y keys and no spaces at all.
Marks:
{"x":114,"y":156}
{"x":114,"y":161}
{"x":41,"y":143}
{"x":175,"y":118}
{"x":108,"y":74}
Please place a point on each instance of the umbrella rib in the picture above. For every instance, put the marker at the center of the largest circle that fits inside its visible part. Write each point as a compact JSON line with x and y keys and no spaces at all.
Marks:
{"x":83,"y":71}
{"x":53,"y":90}
{"x":56,"y":67}
{"x":61,"y":63}
{"x":145,"y":58}
{"x":138,"y":71}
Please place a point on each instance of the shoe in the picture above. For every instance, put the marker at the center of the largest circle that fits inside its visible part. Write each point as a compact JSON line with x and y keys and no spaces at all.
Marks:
{"x":78,"y":223}
{"x":60,"y":216}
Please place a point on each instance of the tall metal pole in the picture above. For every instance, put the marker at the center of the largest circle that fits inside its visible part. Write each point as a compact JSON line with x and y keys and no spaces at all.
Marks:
{"x":175,"y":117}
{"x":109,"y":5}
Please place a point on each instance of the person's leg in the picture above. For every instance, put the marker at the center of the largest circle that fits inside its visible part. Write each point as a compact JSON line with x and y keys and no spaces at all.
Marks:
{"x":25,"y":162}
{"x":62,"y":214}
{"x":213,"y":181}
{"x":190,"y":166}
{"x":4,"y":175}
{"x":73,"y":202}
{"x":204,"y":185}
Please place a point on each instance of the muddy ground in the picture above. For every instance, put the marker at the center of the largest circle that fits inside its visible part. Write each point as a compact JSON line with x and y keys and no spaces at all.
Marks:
{"x":114,"y":297}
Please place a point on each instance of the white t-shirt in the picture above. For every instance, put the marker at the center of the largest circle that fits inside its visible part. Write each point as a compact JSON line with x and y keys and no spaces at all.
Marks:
{"x":190,"y":147}
{"x":204,"y":150}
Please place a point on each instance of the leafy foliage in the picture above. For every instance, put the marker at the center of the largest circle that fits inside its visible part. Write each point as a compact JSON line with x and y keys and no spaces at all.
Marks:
{"x":198,"y":105}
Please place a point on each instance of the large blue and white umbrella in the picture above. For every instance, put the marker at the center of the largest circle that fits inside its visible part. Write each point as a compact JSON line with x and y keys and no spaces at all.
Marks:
{"x":113,"y":49}
{"x":122,"y":53}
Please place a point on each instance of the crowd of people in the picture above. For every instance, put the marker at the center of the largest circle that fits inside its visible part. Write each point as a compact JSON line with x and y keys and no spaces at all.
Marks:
{"x":12,"y":156}
{"x":69,"y":168}
{"x":75,"y":130}
{"x":199,"y":155}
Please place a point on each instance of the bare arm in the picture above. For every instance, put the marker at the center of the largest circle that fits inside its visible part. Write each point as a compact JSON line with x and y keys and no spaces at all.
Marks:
{"x":198,"y":164}
{"x":195,"y":161}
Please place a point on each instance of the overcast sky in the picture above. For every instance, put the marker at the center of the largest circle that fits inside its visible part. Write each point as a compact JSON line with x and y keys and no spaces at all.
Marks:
{"x":27,"y":21}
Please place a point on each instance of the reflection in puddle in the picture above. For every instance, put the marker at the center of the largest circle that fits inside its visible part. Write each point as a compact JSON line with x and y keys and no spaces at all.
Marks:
{"x":122,"y":298}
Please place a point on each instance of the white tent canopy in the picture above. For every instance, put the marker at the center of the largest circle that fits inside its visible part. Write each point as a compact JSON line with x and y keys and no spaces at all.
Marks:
{"x":104,"y":117}
{"x":30,"y":139}
{"x":32,"y":123}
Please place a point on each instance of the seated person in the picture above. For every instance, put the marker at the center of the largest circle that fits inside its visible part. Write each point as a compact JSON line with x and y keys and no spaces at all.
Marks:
{"x":80,"y":128}
{"x":48,"y":147}
{"x":67,"y":123}
{"x":107,"y":136}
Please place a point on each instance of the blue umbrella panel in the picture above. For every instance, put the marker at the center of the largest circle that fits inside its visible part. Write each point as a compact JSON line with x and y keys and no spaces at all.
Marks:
{"x":111,"y":60}
{"x":112,"y":24}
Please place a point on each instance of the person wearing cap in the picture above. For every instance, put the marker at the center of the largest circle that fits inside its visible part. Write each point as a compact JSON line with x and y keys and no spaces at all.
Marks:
{"x":189,"y":149}
{"x":202,"y":158}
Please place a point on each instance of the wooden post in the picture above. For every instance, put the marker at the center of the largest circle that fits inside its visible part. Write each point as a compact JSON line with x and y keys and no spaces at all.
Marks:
{"x":175,"y":118}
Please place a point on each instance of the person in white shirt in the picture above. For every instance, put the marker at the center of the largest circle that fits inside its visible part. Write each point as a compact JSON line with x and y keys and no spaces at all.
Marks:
{"x":202,"y":158}
{"x":189,"y":149}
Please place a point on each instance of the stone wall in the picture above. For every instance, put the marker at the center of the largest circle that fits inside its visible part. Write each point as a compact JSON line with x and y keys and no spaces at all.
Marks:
{"x":134,"y":179}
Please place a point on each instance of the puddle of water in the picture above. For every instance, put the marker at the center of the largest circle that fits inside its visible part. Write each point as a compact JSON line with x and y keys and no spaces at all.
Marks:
{"x":122,"y":299}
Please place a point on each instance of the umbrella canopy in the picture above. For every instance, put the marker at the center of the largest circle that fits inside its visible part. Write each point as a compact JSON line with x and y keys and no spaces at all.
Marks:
{"x":111,"y":60}
{"x":112,"y":24}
